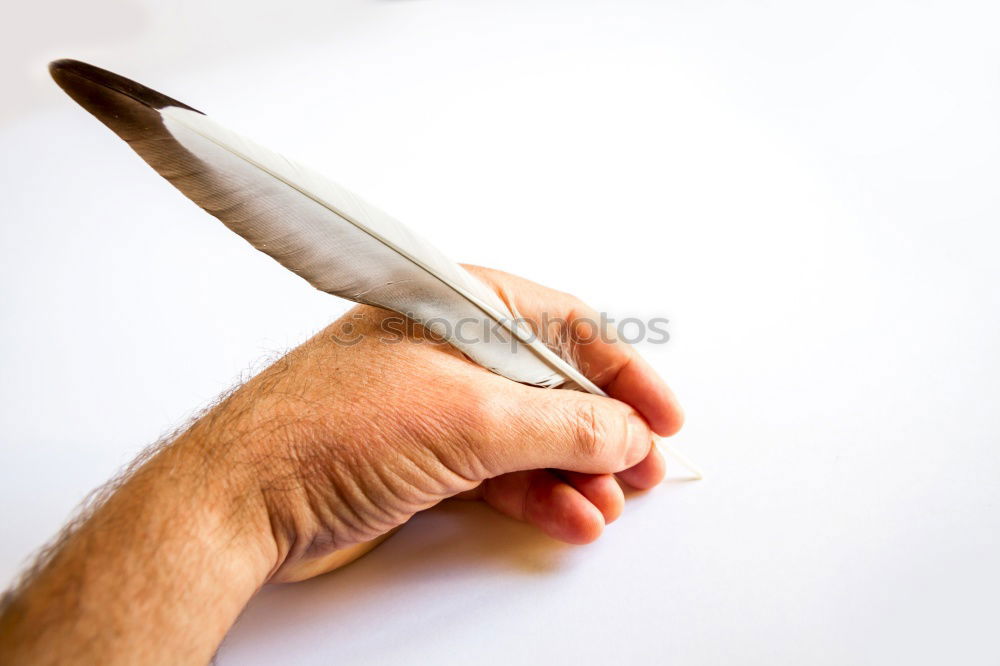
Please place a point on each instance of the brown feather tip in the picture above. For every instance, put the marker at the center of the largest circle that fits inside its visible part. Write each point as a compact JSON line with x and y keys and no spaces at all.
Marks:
{"x":84,"y":82}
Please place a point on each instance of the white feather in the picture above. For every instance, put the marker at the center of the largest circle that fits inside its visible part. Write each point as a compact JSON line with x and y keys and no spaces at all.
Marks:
{"x":347,"y":247}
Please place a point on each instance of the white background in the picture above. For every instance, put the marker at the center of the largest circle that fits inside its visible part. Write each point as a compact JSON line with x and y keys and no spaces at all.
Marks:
{"x":807,"y":190}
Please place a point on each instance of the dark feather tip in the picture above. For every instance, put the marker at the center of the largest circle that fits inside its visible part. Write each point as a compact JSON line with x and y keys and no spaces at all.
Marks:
{"x":88,"y":85}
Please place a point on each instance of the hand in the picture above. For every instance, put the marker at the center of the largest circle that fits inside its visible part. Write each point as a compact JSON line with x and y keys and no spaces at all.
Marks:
{"x":351,"y":441}
{"x":327,"y":450}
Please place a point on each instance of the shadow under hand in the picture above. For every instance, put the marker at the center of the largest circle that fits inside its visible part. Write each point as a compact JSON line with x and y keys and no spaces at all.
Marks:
{"x":457,"y":544}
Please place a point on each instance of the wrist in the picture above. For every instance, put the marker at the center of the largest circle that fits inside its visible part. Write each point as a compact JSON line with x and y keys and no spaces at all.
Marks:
{"x":224,"y":501}
{"x":244,"y":452}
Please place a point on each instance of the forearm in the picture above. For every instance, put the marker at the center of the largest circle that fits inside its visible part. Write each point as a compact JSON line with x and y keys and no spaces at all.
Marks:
{"x":160,"y":571}
{"x":157,"y":574}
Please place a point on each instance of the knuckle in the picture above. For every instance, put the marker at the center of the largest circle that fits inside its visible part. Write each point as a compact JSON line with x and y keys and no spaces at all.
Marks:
{"x":475,"y":426}
{"x":589,"y":431}
{"x":479,"y":414}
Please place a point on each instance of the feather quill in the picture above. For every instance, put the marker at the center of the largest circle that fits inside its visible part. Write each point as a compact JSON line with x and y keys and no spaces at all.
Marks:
{"x":324,"y":233}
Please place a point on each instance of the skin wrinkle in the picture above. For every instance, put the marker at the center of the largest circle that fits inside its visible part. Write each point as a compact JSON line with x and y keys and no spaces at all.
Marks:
{"x":318,"y":517}
{"x":321,"y":537}
{"x":409,"y":472}
{"x":375,"y":502}
{"x":353,"y":522}
{"x":586,"y":429}
{"x":389,"y":481}
{"x":462,"y":482}
{"x":370,"y":502}
{"x":429,"y":433}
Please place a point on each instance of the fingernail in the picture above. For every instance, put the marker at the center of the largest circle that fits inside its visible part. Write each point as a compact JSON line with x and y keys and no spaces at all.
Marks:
{"x":640,"y":439}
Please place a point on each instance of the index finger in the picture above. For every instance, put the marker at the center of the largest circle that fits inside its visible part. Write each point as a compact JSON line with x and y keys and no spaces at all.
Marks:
{"x":613,"y":365}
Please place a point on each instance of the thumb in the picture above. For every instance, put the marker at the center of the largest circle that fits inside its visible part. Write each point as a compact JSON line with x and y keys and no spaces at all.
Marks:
{"x":571,"y":430}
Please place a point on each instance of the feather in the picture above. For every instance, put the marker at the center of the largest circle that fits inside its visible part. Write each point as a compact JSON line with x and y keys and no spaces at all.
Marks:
{"x":324,"y":233}
{"x":315,"y":228}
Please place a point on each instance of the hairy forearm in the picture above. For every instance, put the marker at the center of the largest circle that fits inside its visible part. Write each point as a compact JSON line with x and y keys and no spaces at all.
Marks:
{"x":157,"y":574}
{"x":161,"y":568}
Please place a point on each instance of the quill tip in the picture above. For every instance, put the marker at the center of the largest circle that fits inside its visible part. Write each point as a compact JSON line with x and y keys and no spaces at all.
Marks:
{"x":696,"y":473}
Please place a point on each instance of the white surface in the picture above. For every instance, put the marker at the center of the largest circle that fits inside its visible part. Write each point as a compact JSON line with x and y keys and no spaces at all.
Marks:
{"x":808,"y":192}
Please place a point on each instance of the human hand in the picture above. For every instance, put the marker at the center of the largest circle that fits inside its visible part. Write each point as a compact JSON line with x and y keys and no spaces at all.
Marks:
{"x":311,"y":462}
{"x":349,"y":441}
